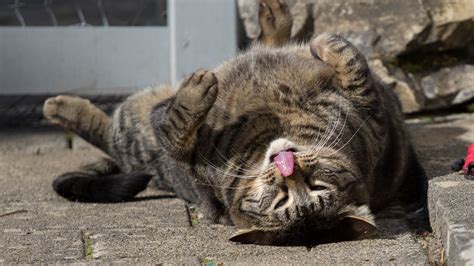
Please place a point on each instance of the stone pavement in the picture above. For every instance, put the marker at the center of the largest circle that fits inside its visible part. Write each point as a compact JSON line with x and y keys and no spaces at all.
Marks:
{"x":439,"y":141}
{"x":452,"y":213}
{"x":39,"y":227}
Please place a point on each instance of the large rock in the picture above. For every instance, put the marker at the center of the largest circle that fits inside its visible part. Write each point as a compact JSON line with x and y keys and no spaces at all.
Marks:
{"x":449,"y":86}
{"x":408,"y":98}
{"x":424,"y":49}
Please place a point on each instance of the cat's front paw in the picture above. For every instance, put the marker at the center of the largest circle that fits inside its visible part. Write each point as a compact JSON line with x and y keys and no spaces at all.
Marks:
{"x":198,"y":92}
{"x":62,"y":109}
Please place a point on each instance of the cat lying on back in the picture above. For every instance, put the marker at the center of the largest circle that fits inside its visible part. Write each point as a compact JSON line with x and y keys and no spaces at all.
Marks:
{"x":289,"y":144}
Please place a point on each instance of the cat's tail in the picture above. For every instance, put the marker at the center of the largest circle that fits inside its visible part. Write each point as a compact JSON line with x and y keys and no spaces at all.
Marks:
{"x":100,"y":182}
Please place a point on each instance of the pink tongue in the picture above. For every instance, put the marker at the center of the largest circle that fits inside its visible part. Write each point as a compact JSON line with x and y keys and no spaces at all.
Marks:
{"x":284,"y":162}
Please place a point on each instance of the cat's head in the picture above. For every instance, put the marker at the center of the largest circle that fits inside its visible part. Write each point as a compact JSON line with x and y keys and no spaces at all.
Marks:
{"x":322,"y":198}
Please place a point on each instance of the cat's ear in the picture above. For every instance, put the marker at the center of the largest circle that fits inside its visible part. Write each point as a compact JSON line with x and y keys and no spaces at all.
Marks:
{"x":357,"y":223}
{"x":358,"y":227}
{"x":253,"y":236}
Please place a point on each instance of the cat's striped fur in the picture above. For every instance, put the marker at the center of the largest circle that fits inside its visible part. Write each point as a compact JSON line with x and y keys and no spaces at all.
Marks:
{"x":212,"y":143}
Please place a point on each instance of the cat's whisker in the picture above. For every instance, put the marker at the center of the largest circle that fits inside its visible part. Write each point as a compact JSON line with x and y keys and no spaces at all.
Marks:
{"x":333,"y":129}
{"x":233,"y":166}
{"x":227,"y":174}
{"x":226,"y":163}
{"x":316,"y":140}
{"x":253,"y":185}
{"x":223,"y":160}
{"x":252,"y":166}
{"x":353,"y":135}
{"x":316,"y":144}
{"x":339,"y":137}
{"x":217,"y":169}
{"x":331,"y":133}
{"x":224,"y":187}
{"x":249,"y":166}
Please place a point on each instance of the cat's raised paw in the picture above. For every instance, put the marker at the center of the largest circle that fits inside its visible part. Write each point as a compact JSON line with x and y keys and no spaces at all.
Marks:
{"x":198,"y":92}
{"x":62,"y":109}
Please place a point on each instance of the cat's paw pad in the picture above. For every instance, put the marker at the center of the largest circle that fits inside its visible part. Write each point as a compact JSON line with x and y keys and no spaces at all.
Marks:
{"x":60,"y":109}
{"x":198,"y":92}
{"x":275,"y":21}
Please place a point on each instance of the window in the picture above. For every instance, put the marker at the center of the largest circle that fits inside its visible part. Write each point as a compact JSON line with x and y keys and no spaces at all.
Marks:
{"x":83,"y":13}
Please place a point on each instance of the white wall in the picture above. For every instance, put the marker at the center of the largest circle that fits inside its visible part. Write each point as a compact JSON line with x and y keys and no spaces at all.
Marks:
{"x":109,"y":60}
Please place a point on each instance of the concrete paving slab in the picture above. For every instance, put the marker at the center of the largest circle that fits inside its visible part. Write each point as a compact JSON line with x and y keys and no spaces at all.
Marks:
{"x":33,"y":140}
{"x":64,"y":215}
{"x":40,"y":246}
{"x":173,"y":244}
{"x":209,"y":243}
{"x":25,"y":180}
{"x":380,"y":252}
{"x":134,"y":261}
{"x":28,"y":177}
{"x":451,"y":205}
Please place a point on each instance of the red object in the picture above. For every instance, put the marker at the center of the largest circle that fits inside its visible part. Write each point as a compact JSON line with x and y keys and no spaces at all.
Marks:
{"x":468,"y":167}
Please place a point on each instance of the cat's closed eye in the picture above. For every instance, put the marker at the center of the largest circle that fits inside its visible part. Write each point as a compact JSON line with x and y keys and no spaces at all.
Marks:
{"x":317,"y":187}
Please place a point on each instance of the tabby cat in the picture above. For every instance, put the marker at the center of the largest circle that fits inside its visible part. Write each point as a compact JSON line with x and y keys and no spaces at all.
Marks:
{"x":290,"y":144}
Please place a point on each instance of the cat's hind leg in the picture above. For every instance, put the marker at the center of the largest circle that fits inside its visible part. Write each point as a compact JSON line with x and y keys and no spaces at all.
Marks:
{"x":101,"y":181}
{"x":350,"y":65}
{"x":80,"y":116}
{"x":275,"y":22}
{"x":351,"y":68}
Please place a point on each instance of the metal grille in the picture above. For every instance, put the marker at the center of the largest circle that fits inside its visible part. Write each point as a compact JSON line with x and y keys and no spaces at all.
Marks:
{"x":83,"y":13}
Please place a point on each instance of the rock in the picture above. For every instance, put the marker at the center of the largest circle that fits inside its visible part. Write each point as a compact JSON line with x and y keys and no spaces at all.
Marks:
{"x":391,"y":24}
{"x":351,"y":19}
{"x":404,"y":92}
{"x":449,"y":86}
{"x":452,"y":24}
{"x":464,"y":96}
{"x":390,"y":27}
{"x":450,"y":199}
{"x":426,"y":46}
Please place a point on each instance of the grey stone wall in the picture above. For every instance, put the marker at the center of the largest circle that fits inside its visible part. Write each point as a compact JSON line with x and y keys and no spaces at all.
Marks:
{"x":424,"y":49}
